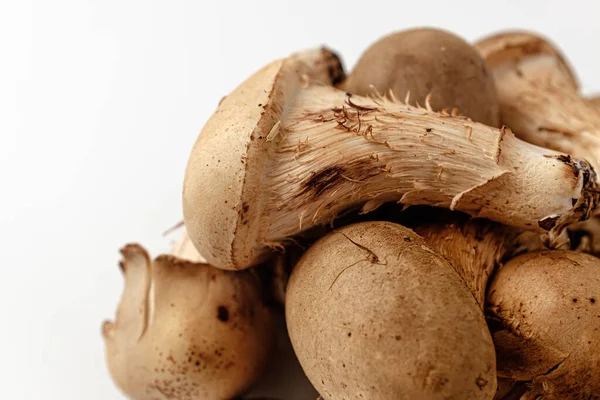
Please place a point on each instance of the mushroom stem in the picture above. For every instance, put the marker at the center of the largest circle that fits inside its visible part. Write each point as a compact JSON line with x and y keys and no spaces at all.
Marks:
{"x":310,"y":151}
{"x":539,"y":96}
{"x":336,"y":151}
{"x":475,"y":248}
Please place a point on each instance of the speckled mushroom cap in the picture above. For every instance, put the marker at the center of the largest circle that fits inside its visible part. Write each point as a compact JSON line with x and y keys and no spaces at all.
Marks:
{"x":238,"y":137}
{"x":186,"y":330}
{"x":545,"y":313}
{"x":518,"y":48}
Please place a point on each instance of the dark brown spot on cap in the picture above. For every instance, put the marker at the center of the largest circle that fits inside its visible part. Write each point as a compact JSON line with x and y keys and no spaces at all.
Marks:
{"x":223,"y":314}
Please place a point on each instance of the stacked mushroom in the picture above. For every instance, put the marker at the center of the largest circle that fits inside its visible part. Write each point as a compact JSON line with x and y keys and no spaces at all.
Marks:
{"x":440,"y":259}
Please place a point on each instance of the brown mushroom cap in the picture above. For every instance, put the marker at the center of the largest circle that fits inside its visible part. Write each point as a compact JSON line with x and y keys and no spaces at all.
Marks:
{"x":539,"y":96}
{"x":545,"y":307}
{"x":186,"y":330}
{"x":374,"y":313}
{"x":429,"y":61}
{"x":520,"y":48}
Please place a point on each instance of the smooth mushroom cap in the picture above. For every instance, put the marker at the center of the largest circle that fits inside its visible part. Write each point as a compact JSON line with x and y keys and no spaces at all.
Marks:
{"x":518,"y":49}
{"x":237,"y":137}
{"x":429,"y":61}
{"x":186,"y":330}
{"x":545,"y":313}
{"x":374,"y":313}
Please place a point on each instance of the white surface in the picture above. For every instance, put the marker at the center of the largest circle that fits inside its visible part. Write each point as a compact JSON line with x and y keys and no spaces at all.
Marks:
{"x":100,"y":102}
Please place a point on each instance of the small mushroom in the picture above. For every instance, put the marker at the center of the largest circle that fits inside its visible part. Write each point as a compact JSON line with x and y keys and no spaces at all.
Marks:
{"x":186,"y":330}
{"x":546,"y":323}
{"x":286,"y":151}
{"x":539,"y":95}
{"x":424,"y":62}
{"x":374,"y":313}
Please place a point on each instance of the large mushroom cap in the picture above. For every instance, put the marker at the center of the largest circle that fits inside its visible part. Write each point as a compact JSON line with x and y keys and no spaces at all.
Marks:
{"x":223,"y":201}
{"x":374,"y":313}
{"x":517,"y":49}
{"x":429,"y":61}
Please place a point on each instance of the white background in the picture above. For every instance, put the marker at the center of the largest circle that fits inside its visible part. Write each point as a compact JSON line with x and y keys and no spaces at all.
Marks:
{"x":100,"y":102}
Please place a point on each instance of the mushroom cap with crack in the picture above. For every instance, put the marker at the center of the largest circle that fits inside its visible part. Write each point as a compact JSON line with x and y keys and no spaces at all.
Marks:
{"x":517,"y":48}
{"x":230,"y":155}
{"x":374,"y":313}
{"x":186,"y":330}
{"x":429,"y":61}
{"x":544,"y":312}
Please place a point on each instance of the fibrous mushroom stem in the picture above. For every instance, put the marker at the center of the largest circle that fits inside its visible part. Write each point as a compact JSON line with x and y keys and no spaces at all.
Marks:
{"x":475,"y":248}
{"x":364,"y":151}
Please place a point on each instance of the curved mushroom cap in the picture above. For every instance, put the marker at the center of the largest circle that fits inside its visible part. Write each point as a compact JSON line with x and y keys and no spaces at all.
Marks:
{"x":546,"y":308}
{"x":429,"y":61}
{"x":523,"y":50}
{"x":374,"y":313}
{"x":224,"y":201}
{"x":186,"y":330}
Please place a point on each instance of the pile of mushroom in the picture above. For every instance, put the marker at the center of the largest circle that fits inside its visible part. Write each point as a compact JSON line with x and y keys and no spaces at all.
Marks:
{"x":419,"y":229}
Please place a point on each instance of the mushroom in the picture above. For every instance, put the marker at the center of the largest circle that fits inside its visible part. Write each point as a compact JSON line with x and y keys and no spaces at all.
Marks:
{"x":424,"y":62}
{"x":546,"y":323}
{"x":286,"y":151}
{"x":539,"y":95}
{"x":541,"y":304}
{"x":375,"y":313}
{"x":186,"y":330}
